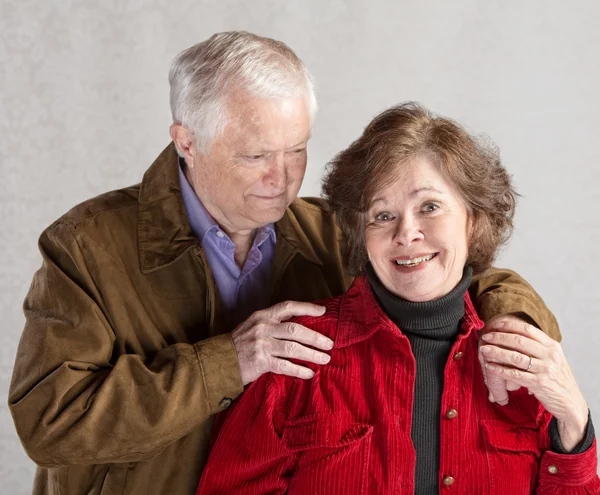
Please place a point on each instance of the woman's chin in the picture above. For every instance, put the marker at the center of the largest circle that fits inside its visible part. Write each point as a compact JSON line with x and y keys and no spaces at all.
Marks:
{"x":418,"y":293}
{"x":419,"y":288}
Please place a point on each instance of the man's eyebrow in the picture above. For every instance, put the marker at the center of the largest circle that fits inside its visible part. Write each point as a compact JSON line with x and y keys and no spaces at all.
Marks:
{"x":260,"y":150}
{"x":304,"y":142}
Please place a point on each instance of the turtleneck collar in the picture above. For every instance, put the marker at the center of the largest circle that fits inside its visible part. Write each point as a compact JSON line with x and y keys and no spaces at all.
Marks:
{"x":437,"y":319}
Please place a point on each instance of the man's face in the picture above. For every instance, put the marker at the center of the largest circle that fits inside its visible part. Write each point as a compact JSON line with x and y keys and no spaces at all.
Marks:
{"x":254,"y":169}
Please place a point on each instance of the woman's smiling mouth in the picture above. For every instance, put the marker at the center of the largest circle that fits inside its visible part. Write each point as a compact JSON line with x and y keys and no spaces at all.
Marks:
{"x":416,"y":261}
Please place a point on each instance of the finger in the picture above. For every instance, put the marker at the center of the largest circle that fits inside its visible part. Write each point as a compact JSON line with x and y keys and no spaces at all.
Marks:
{"x":497,"y":389}
{"x":291,"y":349}
{"x":511,"y":324}
{"x":299,"y":333}
{"x":511,"y":387}
{"x":284,"y":367}
{"x":496,"y":385}
{"x":515,"y":342}
{"x":508,"y":357}
{"x":285,"y":310}
{"x":519,"y":377}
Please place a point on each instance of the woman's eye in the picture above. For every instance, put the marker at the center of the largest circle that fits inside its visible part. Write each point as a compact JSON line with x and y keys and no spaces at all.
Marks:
{"x":429,"y":207}
{"x":383,"y":217}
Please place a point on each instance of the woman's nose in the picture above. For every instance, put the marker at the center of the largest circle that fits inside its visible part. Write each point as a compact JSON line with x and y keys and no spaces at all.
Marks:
{"x":407,"y":231}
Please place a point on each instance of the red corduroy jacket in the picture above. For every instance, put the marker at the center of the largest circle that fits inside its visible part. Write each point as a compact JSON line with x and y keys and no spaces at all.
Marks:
{"x":347,"y":430}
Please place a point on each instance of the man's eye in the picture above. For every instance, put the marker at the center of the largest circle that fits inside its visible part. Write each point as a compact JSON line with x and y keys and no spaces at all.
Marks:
{"x":383,"y":217}
{"x":254,"y":157}
{"x":298,"y":151}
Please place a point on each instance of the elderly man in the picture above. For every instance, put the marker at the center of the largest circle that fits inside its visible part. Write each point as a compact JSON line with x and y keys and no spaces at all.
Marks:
{"x":147,"y":316}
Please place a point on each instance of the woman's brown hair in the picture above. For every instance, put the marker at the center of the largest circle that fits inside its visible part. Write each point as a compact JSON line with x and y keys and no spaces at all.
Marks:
{"x":394,"y":138}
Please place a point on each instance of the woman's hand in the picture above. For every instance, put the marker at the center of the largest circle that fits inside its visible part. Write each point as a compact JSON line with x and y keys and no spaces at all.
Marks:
{"x":527,"y":357}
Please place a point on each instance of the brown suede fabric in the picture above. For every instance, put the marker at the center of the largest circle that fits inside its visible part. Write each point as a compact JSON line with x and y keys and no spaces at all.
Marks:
{"x":126,"y":355}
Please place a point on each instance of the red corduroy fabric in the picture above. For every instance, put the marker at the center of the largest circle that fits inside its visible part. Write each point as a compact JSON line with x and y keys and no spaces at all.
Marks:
{"x":347,"y":430}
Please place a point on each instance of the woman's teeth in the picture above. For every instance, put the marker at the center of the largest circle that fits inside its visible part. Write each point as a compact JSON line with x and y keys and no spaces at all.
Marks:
{"x":414,"y":261}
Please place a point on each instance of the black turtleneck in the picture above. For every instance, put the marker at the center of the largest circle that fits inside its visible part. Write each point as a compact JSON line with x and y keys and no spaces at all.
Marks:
{"x":431,"y":328}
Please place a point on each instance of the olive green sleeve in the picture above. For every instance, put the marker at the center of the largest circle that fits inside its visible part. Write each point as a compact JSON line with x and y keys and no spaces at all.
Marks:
{"x":498,"y":291}
{"x":76,"y":399}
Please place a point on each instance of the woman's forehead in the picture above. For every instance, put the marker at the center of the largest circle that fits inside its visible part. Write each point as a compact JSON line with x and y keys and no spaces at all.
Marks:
{"x":411,"y":180}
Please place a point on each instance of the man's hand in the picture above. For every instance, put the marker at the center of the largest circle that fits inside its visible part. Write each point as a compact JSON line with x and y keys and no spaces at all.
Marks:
{"x":263,"y":340}
{"x":528,"y":357}
{"x":497,"y":385}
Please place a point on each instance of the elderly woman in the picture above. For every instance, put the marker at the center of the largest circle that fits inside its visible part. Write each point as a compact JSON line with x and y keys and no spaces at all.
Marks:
{"x":402,"y":407}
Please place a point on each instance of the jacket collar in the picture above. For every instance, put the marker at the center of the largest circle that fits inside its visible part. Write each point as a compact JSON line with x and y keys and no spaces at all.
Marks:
{"x":360,"y":315}
{"x":164,"y":231}
{"x":293,"y":238}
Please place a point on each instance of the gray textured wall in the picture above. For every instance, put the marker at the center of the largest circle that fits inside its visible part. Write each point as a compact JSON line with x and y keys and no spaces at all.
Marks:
{"x":84,"y":109}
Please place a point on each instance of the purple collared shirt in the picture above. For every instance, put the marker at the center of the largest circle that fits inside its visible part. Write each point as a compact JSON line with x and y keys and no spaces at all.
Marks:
{"x":244,"y":290}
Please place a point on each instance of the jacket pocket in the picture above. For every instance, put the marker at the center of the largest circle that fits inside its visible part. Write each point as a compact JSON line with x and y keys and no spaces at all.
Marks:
{"x":333,"y":454}
{"x":513,"y":452}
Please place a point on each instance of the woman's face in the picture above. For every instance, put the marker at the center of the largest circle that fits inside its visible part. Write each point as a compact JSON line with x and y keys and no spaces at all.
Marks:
{"x":417,"y":234}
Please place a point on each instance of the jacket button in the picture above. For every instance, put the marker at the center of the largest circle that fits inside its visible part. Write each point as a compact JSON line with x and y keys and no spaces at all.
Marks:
{"x":448,"y":480}
{"x":552,"y":469}
{"x":458,"y":356}
{"x":225,"y":402}
{"x":451,"y":413}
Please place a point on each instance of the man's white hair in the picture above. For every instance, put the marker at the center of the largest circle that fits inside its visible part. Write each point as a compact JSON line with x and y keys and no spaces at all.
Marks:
{"x":203,"y":76}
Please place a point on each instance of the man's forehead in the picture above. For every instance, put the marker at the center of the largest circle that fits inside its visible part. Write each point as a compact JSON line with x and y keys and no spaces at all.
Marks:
{"x":270,"y":124}
{"x":268,"y":141}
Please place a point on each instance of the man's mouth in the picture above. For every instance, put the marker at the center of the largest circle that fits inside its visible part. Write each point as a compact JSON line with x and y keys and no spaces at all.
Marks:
{"x":270,"y":198}
{"x":410,"y":262}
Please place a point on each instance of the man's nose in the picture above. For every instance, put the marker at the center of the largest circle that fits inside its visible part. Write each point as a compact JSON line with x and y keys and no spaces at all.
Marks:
{"x":276,"y":175}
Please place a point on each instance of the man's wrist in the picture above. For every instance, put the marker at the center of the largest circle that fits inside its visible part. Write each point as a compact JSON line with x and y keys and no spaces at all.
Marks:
{"x":572,"y":429}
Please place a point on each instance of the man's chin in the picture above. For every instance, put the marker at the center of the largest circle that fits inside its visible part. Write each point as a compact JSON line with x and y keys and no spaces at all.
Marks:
{"x":269,"y":215}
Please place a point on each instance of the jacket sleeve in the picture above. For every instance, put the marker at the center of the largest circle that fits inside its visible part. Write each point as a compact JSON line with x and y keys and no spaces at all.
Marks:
{"x":566,"y":474}
{"x":76,"y":398}
{"x":249,"y":456}
{"x":499,"y":291}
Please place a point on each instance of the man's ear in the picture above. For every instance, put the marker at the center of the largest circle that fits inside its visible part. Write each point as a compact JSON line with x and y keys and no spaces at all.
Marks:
{"x":184,"y":142}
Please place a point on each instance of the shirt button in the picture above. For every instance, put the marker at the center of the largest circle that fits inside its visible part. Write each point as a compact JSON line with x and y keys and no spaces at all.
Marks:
{"x":552,"y":469}
{"x":458,"y":356}
{"x":220,"y":234}
{"x":225,"y":402}
{"x":451,"y":413}
{"x":448,"y":480}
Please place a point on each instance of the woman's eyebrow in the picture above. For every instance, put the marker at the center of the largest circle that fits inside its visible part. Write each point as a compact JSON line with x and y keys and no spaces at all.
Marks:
{"x":414,"y":192}
{"x":378,"y":199}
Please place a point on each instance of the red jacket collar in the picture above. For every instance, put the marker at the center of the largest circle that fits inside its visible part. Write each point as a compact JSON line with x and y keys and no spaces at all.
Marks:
{"x":360,"y":315}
